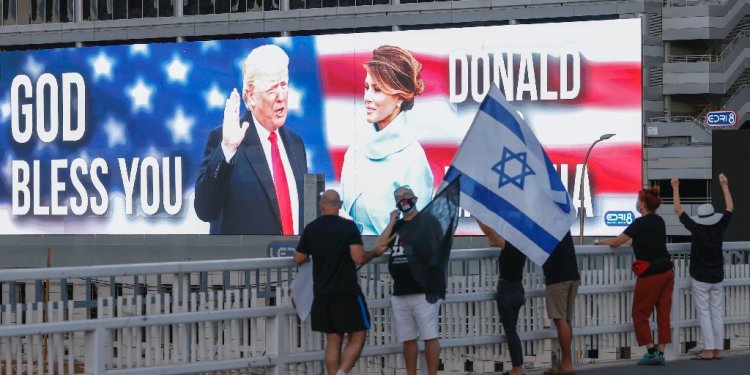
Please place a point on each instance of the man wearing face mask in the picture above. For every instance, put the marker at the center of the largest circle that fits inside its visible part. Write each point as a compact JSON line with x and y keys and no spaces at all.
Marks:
{"x":414,"y":317}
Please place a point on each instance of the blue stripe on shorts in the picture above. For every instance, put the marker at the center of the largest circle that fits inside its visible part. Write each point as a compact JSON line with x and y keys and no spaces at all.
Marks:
{"x":364,"y":312}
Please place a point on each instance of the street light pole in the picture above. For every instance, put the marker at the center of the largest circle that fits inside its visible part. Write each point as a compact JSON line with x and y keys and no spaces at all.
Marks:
{"x":582,"y":209}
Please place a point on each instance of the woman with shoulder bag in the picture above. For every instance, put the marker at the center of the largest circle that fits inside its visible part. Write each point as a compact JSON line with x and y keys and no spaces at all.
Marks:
{"x":654,"y":269}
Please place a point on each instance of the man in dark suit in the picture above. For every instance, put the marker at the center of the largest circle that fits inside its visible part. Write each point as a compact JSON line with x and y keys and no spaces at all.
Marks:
{"x":252,"y":175}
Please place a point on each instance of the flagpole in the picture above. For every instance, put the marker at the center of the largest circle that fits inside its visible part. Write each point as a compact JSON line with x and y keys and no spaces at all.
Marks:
{"x":582,"y":208}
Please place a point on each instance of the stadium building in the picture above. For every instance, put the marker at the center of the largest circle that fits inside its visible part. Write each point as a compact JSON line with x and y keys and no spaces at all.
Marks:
{"x":694,"y":52}
{"x":106,"y":116}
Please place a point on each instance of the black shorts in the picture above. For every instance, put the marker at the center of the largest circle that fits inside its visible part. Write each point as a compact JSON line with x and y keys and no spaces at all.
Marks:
{"x":343,"y":316}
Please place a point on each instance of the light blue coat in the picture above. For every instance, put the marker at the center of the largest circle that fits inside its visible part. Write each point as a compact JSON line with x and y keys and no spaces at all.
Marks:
{"x":373,"y":169}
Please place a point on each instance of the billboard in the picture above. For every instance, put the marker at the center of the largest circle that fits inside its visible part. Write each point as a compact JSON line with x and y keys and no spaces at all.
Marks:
{"x":147,"y":138}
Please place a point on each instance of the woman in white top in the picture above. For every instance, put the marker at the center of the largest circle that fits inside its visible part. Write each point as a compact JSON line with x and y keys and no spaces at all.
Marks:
{"x":389,"y":156}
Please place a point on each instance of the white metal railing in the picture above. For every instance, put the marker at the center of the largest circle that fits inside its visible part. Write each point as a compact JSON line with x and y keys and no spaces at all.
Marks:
{"x":733,"y":43}
{"x":689,"y":119}
{"x":708,"y":57}
{"x":690,"y":3}
{"x":236,"y":315}
{"x":702,"y":115}
{"x":673,"y":119}
{"x":694,"y":58}
{"x":736,"y":92}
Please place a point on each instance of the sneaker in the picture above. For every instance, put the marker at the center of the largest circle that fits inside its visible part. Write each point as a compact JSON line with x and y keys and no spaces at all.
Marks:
{"x":651,"y":359}
{"x":662,"y":360}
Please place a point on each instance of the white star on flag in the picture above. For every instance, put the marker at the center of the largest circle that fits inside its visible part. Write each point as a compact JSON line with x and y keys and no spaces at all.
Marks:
{"x":5,"y":110}
{"x":139,"y":49}
{"x":85,"y":156}
{"x":140,"y":95}
{"x":6,"y":167}
{"x":153,"y":152}
{"x":295,"y":101}
{"x":102,"y":65}
{"x":33,"y":67}
{"x":180,"y":125}
{"x":210,"y":45}
{"x":41,"y":146}
{"x":238,"y":63}
{"x":115,"y":132}
{"x":215,"y":98}
{"x":177,"y":70}
{"x":283,"y":41}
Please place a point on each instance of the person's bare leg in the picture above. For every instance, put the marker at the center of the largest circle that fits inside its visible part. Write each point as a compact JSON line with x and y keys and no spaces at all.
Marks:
{"x":333,"y":352}
{"x":432,"y":355}
{"x":354,"y":344}
{"x":565,"y":337}
{"x":411,"y":353}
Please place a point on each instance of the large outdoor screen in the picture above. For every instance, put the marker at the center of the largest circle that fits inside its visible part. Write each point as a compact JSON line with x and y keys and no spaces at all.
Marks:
{"x":148,"y":138}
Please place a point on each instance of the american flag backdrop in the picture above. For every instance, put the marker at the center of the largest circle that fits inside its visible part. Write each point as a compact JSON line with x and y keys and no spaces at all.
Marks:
{"x":162,"y":99}
{"x":609,"y":102}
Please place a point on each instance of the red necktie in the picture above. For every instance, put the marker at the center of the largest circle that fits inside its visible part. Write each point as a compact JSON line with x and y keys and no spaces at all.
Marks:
{"x":282,"y":187}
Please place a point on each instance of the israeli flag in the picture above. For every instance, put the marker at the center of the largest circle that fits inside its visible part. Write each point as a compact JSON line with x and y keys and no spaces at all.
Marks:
{"x":509,"y":183}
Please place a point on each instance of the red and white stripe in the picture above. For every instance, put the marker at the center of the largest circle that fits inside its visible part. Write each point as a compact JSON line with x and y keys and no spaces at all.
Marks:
{"x":609,"y":100}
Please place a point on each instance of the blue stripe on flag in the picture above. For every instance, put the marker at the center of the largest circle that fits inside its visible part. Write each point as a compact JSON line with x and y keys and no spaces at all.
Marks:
{"x":451,"y":174}
{"x":501,"y":114}
{"x":497,"y":204}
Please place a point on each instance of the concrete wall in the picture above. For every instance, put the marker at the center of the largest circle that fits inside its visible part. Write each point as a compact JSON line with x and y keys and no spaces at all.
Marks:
{"x":83,"y":250}
{"x":703,"y":21}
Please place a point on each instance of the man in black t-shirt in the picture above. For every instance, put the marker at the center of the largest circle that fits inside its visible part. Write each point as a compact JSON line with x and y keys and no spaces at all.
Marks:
{"x":414,"y":317}
{"x":562,"y":279}
{"x":339,"y":307}
{"x":707,"y":266}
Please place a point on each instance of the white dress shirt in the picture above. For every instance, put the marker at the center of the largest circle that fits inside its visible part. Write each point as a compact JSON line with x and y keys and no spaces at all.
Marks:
{"x":263,"y":134}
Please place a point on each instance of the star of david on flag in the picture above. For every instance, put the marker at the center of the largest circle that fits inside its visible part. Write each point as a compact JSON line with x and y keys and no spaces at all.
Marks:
{"x":508,"y":181}
{"x":503,"y":169}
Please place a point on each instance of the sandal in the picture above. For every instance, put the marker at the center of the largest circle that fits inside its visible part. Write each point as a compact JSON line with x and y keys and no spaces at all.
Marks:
{"x":700,"y":357}
{"x":717,"y":354}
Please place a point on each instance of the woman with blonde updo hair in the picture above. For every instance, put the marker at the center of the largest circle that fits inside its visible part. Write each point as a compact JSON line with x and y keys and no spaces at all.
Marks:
{"x":389,"y":156}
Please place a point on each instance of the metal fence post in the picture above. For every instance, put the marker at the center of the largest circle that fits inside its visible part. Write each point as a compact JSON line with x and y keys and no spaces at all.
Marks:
{"x":178,"y":7}
{"x":674,"y":350}
{"x":79,"y":11}
{"x":95,"y":361}
{"x":276,"y":342}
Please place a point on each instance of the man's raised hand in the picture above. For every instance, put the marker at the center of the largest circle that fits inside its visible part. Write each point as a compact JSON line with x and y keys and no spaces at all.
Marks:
{"x":233,"y":134}
{"x":394,"y":216}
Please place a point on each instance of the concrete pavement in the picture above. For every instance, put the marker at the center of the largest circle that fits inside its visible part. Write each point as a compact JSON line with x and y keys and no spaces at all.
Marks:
{"x":732,"y":363}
